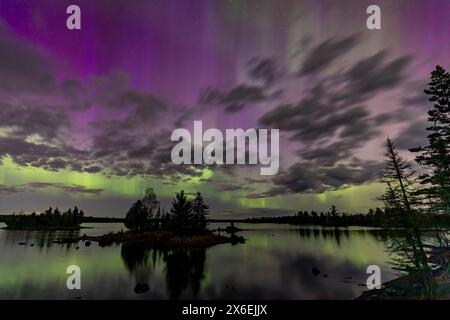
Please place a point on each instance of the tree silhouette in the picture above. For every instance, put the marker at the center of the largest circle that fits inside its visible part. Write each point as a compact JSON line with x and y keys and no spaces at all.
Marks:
{"x":398,"y":176}
{"x":184,"y":269}
{"x":137,"y":218}
{"x":181,"y":215}
{"x":200,"y":211}
{"x":141,"y":215}
{"x":436,"y":155}
{"x":150,"y":202}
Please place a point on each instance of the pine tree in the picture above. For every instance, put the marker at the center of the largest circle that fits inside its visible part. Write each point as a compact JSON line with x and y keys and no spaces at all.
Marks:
{"x":436,"y":156}
{"x":200,"y":211}
{"x":76,"y":217}
{"x":333,"y":211}
{"x":391,"y":199}
{"x":150,"y":204}
{"x":181,"y":215}
{"x":398,"y":175}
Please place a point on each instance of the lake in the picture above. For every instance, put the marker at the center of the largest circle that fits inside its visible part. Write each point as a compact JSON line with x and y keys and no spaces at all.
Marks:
{"x":276,"y":262}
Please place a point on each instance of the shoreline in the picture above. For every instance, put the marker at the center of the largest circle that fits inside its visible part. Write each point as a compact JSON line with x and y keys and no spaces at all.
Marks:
{"x":416,"y":286}
{"x":36,"y":228}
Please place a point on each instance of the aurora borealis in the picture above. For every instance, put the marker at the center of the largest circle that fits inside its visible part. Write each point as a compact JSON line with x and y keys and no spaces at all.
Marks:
{"x":86,"y":115}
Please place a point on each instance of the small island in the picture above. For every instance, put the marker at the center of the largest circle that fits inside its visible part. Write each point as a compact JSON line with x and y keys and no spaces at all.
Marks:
{"x":149,"y":226}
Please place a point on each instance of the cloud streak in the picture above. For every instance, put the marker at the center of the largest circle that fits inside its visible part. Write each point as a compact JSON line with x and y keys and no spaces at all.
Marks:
{"x":36,"y":186}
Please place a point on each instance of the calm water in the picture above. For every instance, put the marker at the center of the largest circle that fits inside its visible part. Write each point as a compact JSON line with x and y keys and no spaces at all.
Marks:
{"x":275,"y":263}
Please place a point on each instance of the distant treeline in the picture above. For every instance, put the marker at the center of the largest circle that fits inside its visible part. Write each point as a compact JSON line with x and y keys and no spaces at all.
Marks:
{"x":50,"y":218}
{"x":102,"y":219}
{"x":374,"y":218}
{"x":4,"y":217}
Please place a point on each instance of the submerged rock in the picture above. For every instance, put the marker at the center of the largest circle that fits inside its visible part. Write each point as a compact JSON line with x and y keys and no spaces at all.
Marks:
{"x":315,"y":271}
{"x":141,"y":288}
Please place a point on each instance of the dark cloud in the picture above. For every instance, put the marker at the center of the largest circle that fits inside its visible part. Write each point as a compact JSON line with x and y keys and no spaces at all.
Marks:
{"x":304,"y":177}
{"x":333,"y":103}
{"x":265,"y":70}
{"x":40,"y":155}
{"x":371,"y":75}
{"x":24,"y":153}
{"x":22,"y":67}
{"x":338,"y":100}
{"x":92,"y":169}
{"x":236,"y":99}
{"x":323,"y":55}
{"x":146,"y":104}
{"x":330,"y":154}
{"x":101,"y":125}
{"x":414,"y":135}
{"x":333,"y":121}
{"x":415,"y":100}
{"x":126,"y":132}
{"x":420,"y":100}
{"x":74,"y":188}
{"x":8,"y":189}
{"x":230,"y":187}
{"x":26,"y":120}
{"x":262,"y":73}
{"x":396,"y":116}
{"x":34,"y":186}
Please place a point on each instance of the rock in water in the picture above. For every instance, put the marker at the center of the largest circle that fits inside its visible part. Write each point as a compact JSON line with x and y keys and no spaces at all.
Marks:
{"x":315,"y":271}
{"x":141,"y":288}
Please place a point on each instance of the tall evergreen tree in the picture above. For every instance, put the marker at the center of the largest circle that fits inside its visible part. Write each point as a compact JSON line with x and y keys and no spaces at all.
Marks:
{"x":200,"y":211}
{"x":181,"y":216}
{"x":436,"y":155}
{"x":150,"y":202}
{"x":391,"y":199}
{"x":398,"y":176}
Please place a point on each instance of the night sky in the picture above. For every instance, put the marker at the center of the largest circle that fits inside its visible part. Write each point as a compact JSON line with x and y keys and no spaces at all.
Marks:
{"x":86,"y":115}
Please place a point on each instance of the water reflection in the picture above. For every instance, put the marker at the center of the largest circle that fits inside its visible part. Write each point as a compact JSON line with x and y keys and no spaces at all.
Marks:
{"x":335,"y":234}
{"x":40,"y":239}
{"x":184,"y":268}
{"x":276,"y":262}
